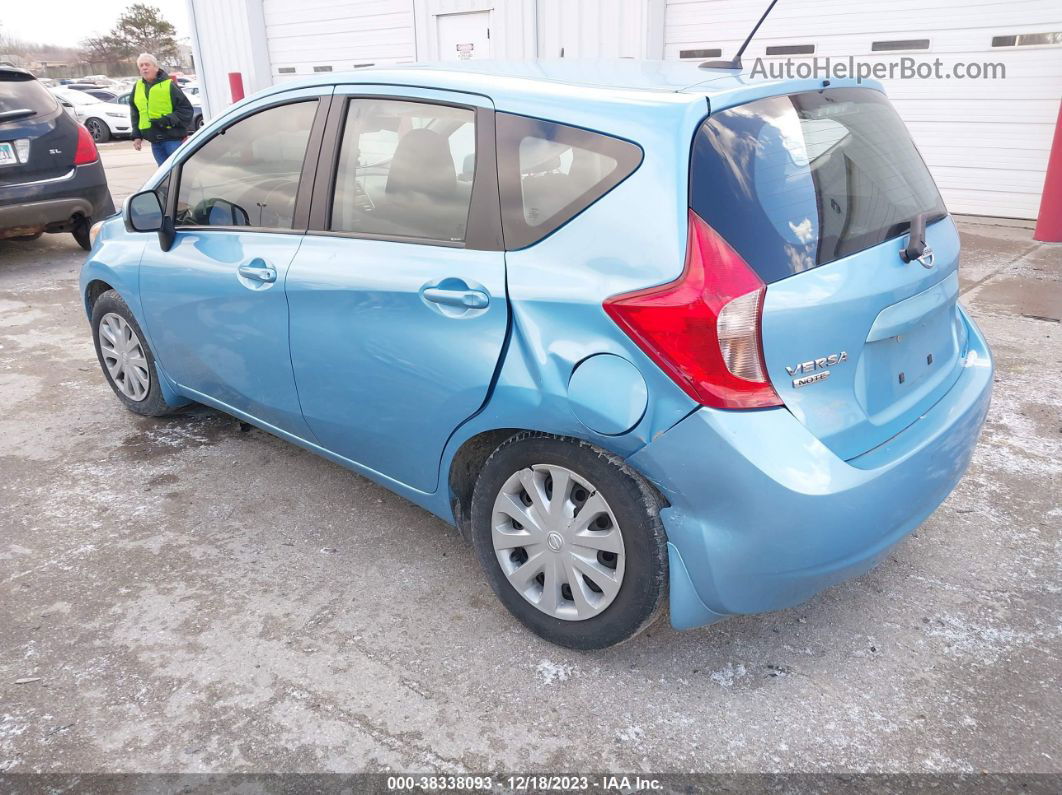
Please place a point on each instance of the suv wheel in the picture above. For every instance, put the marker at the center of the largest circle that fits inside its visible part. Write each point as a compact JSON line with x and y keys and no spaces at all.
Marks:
{"x":81,"y":233}
{"x":127,"y":361}
{"x":99,"y":130}
{"x":571,"y":540}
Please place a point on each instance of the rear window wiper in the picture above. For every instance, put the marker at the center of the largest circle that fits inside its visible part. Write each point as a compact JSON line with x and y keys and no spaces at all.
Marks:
{"x":916,"y":243}
{"x":17,"y":113}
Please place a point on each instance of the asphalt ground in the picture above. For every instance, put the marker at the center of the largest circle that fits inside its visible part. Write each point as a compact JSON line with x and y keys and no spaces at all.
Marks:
{"x":180,"y":595}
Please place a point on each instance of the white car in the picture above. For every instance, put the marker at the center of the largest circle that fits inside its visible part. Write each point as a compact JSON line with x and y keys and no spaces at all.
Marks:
{"x":104,"y":120}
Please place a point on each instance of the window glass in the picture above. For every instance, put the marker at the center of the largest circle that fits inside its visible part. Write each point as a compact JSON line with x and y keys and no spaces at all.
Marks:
{"x":248,"y":175}
{"x":405,"y":170}
{"x":794,"y":182}
{"x":549,"y":172}
{"x":20,"y":92}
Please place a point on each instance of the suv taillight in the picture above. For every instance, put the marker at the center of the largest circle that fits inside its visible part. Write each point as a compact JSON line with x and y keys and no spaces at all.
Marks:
{"x":703,"y":329}
{"x":86,"y":148}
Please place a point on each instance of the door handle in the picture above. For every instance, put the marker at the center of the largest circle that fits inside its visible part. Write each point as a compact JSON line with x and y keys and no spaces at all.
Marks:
{"x":258,"y":273}
{"x":466,"y":299}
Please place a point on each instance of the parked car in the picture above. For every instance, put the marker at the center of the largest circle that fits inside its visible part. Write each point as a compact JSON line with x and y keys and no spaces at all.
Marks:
{"x":104,"y":120}
{"x":51,"y":178}
{"x":102,"y":94}
{"x":642,"y":332}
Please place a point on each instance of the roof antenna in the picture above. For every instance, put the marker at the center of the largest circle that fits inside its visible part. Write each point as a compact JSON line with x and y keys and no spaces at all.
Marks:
{"x":736,"y":62}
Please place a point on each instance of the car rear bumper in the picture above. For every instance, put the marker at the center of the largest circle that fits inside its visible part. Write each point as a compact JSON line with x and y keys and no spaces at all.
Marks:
{"x":52,"y":203}
{"x":763,"y":515}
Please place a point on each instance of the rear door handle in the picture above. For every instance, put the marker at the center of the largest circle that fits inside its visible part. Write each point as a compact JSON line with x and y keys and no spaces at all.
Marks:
{"x":258,"y":273}
{"x":467,"y":299}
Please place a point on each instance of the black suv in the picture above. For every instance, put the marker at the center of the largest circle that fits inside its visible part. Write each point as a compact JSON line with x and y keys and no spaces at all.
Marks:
{"x":51,"y":177}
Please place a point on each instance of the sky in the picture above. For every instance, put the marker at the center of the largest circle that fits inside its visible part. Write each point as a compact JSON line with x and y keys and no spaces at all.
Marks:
{"x":67,"y":22}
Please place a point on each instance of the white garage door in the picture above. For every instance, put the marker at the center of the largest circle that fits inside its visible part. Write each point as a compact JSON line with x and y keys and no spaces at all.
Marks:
{"x":336,"y":35}
{"x":986,"y":141}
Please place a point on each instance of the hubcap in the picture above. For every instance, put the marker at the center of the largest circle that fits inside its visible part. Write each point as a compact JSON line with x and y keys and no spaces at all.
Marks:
{"x":123,"y":356}
{"x":558,"y":542}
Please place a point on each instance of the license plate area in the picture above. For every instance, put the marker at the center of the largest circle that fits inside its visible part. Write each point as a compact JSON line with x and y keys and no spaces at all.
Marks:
{"x":7,"y":155}
{"x":901,"y":370}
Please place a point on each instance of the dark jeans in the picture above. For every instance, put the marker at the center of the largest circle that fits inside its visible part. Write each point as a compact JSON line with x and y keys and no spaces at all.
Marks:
{"x":163,"y":149}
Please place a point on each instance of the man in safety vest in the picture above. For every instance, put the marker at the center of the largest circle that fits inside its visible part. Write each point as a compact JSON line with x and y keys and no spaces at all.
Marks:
{"x":160,"y":112}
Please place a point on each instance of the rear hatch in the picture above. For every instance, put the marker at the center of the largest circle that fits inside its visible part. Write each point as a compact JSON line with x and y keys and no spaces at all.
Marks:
{"x":37,"y":139}
{"x":817,"y":191}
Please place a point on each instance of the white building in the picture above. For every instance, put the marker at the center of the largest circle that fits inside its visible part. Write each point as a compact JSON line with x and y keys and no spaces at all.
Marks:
{"x":986,"y":140}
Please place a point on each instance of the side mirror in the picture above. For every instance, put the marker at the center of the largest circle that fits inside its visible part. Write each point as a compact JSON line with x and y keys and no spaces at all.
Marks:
{"x":143,"y":213}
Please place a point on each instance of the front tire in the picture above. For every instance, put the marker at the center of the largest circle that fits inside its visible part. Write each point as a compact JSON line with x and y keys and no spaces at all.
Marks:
{"x":571,"y":541}
{"x":127,"y":362}
{"x":99,"y":130}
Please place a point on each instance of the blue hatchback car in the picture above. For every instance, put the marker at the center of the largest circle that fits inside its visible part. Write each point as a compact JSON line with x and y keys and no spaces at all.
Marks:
{"x":645,"y":333}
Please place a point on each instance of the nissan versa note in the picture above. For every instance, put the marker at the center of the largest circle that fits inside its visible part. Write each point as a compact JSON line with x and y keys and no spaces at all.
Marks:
{"x":645,"y":333}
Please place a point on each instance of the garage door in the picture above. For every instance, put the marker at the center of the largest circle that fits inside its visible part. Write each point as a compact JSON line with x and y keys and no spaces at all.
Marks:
{"x":986,"y":140}
{"x":336,"y":35}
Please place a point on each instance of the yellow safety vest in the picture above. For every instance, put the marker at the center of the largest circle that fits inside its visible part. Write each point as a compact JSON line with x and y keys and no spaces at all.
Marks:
{"x":153,"y":103}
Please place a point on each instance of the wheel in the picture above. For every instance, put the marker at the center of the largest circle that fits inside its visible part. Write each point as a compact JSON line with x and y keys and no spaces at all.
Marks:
{"x":81,"y":234}
{"x":571,"y":540}
{"x":99,"y":130}
{"x":198,"y":122}
{"x":127,"y":361}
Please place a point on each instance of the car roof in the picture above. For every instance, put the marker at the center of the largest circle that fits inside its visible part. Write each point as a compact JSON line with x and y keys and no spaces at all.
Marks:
{"x":653,"y":81}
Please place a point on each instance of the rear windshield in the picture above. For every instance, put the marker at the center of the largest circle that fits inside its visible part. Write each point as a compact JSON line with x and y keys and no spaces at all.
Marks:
{"x":22,"y":92}
{"x":798,"y":181}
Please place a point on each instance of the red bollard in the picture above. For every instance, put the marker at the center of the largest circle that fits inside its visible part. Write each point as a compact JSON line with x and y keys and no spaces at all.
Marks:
{"x":1049,"y":222}
{"x":236,"y":86}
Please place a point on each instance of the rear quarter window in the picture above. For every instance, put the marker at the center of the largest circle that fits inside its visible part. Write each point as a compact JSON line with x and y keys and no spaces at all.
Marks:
{"x":794,"y":182}
{"x":548,"y":173}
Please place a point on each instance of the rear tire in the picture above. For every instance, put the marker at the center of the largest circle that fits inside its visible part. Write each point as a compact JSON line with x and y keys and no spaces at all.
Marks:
{"x":99,"y":130}
{"x":127,"y":362}
{"x":81,"y":234}
{"x":625,"y":542}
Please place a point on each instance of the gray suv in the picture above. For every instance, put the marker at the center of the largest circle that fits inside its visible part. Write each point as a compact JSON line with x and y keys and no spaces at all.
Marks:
{"x":51,"y":177}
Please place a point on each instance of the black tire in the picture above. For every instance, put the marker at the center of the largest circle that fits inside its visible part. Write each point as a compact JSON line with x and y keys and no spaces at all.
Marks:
{"x":198,"y":122}
{"x":153,"y":404}
{"x":642,"y":595}
{"x":81,"y":234}
{"x":99,"y":130}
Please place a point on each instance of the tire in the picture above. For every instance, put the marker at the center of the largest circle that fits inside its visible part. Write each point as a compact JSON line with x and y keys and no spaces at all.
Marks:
{"x":623,"y":503}
{"x":99,"y":130}
{"x":81,"y":234}
{"x":151,"y":403}
{"x":198,"y":122}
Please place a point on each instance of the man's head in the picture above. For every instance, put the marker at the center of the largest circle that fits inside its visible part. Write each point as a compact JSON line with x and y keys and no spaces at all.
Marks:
{"x":147,"y":65}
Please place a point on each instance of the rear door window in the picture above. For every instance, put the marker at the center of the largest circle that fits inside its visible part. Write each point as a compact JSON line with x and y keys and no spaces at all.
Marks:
{"x":794,"y":182}
{"x":548,"y":173}
{"x":405,"y":170}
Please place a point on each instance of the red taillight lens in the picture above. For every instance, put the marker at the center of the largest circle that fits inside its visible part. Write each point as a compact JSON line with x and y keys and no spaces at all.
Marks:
{"x":86,"y":148}
{"x":703,"y":329}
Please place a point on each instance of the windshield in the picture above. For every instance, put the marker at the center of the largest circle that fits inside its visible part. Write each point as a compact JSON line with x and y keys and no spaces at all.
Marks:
{"x":794,"y":182}
{"x":23,"y":92}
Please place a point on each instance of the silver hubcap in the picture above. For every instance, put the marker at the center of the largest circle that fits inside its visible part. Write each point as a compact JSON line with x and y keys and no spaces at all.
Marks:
{"x":558,"y":542}
{"x":123,"y":356}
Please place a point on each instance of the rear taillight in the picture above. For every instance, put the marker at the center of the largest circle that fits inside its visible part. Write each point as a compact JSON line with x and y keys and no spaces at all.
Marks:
{"x":703,"y":329}
{"x":86,"y":148}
